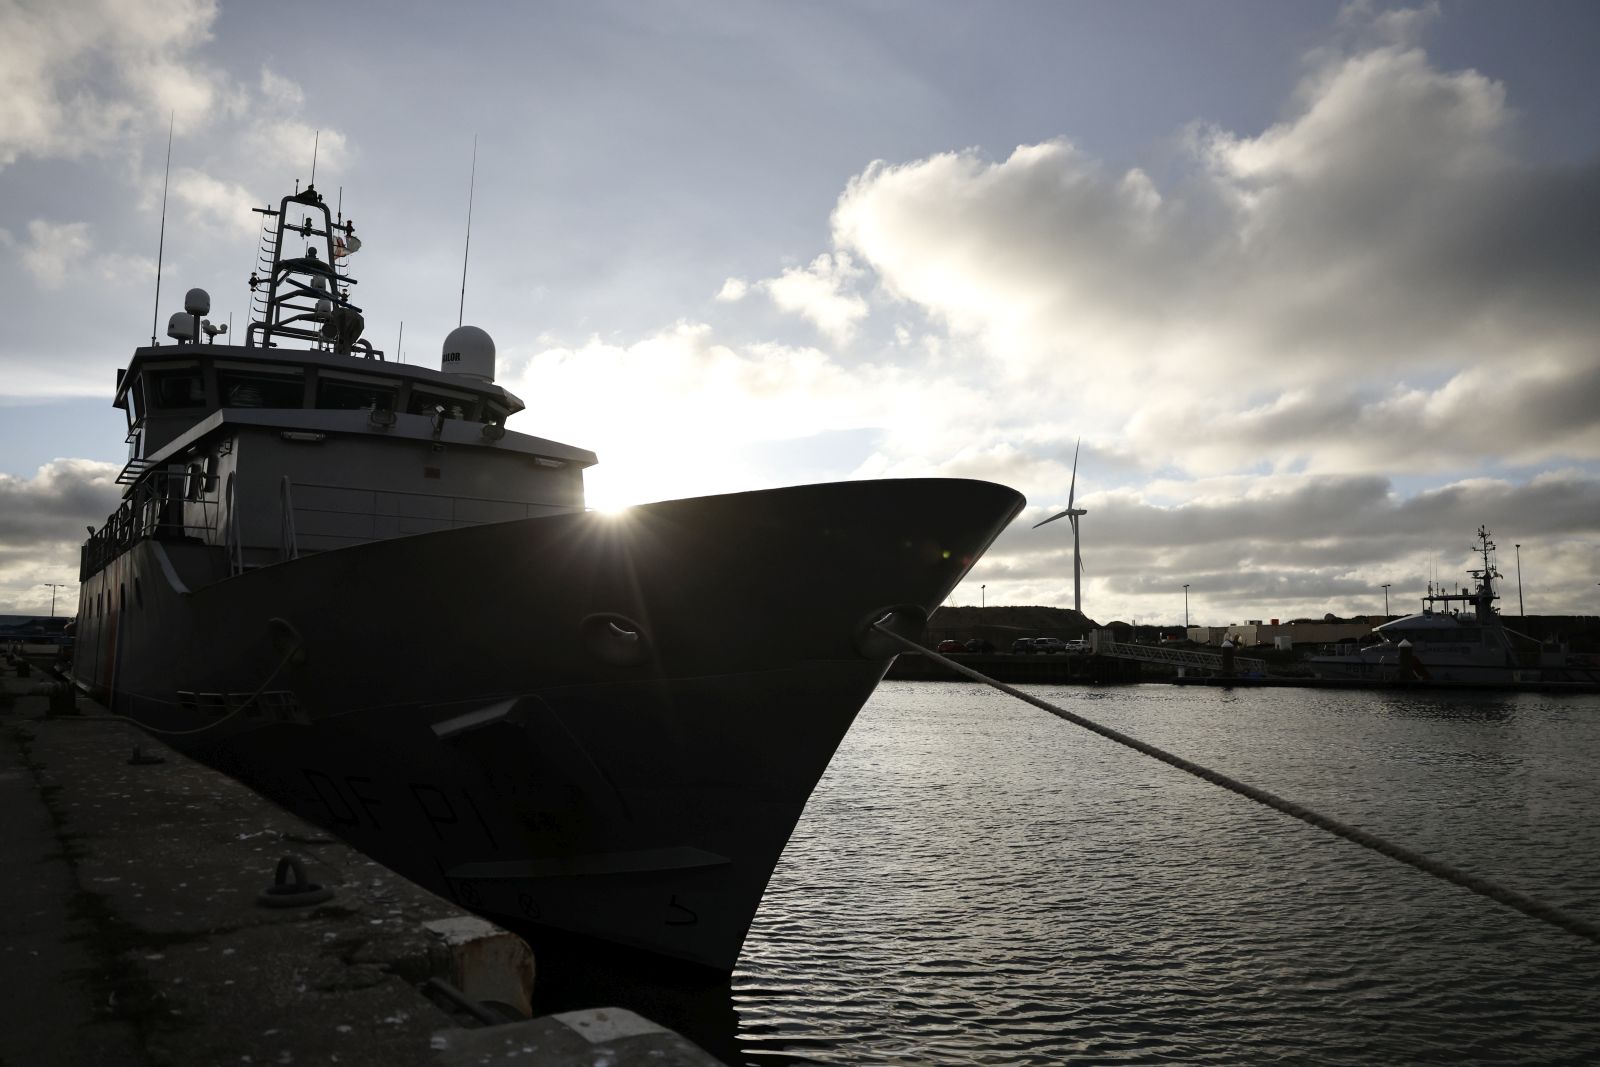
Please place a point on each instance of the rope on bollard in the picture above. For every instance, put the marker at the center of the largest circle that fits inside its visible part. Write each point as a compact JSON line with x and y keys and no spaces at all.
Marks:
{"x":292,"y":653}
{"x":1521,"y":902}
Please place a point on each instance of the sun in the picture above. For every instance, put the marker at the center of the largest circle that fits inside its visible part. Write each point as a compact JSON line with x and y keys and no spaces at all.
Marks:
{"x":609,"y":496}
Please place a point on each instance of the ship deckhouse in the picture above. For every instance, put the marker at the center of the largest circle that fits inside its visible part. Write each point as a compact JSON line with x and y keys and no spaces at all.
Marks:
{"x":242,"y":456}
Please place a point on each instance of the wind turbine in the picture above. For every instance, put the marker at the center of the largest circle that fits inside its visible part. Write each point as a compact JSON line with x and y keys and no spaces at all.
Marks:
{"x":1071,"y":515}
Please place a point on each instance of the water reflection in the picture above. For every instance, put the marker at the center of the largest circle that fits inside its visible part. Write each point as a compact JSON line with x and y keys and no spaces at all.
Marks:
{"x":977,"y":882}
{"x":1441,"y":706}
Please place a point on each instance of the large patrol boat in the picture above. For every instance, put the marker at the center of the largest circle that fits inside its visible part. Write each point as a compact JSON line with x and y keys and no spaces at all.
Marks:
{"x":1459,"y":638}
{"x":344,"y":581}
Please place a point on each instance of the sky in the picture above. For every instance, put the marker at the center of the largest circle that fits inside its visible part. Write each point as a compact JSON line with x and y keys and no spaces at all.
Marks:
{"x":1315,"y":285}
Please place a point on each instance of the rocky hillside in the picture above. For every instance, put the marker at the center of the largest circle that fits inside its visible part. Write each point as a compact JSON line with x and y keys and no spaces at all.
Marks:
{"x":1008,"y":623}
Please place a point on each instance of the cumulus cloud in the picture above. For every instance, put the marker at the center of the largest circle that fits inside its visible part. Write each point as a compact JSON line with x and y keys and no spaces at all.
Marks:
{"x":211,"y":203}
{"x":693,"y":399}
{"x":733,"y":290}
{"x":1270,"y":349}
{"x":294,"y":140}
{"x":59,"y":252}
{"x":819,"y":293}
{"x":279,"y":91}
{"x":54,"y":249}
{"x":1373,"y":260}
{"x":101,"y":77}
{"x":80,"y":77}
{"x":686,"y":384}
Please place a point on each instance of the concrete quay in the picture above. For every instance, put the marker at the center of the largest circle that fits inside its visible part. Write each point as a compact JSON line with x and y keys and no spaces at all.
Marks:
{"x":1044,"y":669}
{"x":131,"y":928}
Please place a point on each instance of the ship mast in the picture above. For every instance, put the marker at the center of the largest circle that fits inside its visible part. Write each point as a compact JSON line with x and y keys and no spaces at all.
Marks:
{"x":1485,"y":595}
{"x":307,"y":297}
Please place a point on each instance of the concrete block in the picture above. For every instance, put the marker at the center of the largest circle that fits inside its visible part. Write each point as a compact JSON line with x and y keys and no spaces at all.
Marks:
{"x":597,"y":1037}
{"x":482,"y":960}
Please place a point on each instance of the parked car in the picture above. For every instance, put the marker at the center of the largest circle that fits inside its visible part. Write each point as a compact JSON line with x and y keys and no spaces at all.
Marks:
{"x":1049,"y":644}
{"x":1023,"y":645}
{"x":950,"y":645}
{"x":1079,"y":646}
{"x":978,"y":644}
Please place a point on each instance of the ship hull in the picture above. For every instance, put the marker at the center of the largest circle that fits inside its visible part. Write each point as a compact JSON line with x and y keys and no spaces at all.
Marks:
{"x":1490,"y":668}
{"x":603,"y":725}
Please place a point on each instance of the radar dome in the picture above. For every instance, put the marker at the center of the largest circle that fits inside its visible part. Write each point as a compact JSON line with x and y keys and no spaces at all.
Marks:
{"x":181,"y":326}
{"x":469,"y":352}
{"x":197,"y":302}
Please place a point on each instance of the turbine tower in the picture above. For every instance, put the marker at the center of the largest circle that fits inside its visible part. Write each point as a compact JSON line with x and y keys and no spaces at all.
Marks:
{"x":1071,"y":515}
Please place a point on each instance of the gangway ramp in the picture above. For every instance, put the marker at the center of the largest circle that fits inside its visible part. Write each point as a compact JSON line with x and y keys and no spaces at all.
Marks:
{"x":1102,"y":644}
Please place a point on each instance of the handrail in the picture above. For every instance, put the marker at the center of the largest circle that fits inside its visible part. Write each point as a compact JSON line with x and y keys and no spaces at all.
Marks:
{"x":147,"y":510}
{"x":291,"y":549}
{"x":435,"y":510}
{"x":231,"y":534}
{"x":425,"y":496}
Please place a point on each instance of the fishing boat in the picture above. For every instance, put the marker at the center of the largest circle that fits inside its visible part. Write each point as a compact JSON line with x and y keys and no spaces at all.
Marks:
{"x":346,"y":582}
{"x":1459,"y":638}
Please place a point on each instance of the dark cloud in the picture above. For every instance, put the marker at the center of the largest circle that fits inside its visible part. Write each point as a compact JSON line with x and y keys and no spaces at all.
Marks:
{"x":1306,"y":546}
{"x":42,"y":525}
{"x":65,"y":496}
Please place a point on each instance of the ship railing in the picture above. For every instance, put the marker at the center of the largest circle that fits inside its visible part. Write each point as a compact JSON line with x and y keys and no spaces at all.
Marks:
{"x":335,"y":516}
{"x":154,"y":507}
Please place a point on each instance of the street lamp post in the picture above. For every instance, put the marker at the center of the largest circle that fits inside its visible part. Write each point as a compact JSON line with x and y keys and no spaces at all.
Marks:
{"x":1186,"y":609}
{"x":53,"y":587}
{"x":983,"y":595}
{"x":1386,"y":586}
{"x":1521,"y":612}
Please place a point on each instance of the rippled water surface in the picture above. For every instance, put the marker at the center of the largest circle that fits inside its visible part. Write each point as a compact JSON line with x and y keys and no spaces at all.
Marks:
{"x":978,"y":882}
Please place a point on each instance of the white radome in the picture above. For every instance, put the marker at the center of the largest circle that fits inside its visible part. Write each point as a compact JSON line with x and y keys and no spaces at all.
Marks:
{"x":469,"y":352}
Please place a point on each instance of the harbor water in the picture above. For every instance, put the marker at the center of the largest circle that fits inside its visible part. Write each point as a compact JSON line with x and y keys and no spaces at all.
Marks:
{"x":978,"y":882}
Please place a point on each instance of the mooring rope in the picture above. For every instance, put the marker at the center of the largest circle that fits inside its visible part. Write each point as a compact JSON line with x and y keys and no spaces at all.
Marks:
{"x":248,"y":701}
{"x":1534,"y":909}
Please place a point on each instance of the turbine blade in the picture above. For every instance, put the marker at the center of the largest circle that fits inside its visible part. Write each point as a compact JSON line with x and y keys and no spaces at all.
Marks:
{"x":1053,"y":518}
{"x":1071,"y":491}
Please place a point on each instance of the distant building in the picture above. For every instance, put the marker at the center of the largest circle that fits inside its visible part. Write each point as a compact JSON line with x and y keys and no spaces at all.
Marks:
{"x":1255,"y":633}
{"x":31,"y":625}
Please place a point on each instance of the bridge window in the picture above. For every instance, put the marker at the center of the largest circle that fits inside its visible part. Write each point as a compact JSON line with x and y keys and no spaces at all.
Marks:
{"x":136,"y":400}
{"x":176,"y":389}
{"x":255,"y":389}
{"x":352,"y":395}
{"x":456,"y":406}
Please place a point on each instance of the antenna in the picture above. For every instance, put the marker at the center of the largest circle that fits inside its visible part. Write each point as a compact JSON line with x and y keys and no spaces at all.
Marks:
{"x":472,"y":183}
{"x":161,"y":244}
{"x":400,"y":353}
{"x":315,"y":141}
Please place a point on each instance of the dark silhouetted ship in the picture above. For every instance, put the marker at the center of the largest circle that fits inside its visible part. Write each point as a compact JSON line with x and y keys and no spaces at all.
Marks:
{"x":343,"y":581}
